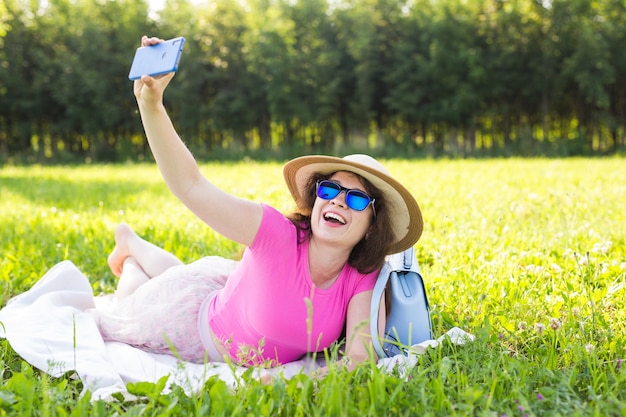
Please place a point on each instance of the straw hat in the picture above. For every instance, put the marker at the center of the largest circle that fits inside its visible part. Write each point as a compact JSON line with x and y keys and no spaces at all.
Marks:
{"x":405,"y":214}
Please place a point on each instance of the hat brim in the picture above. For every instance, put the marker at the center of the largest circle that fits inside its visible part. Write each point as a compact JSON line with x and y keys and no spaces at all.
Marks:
{"x":405,"y":214}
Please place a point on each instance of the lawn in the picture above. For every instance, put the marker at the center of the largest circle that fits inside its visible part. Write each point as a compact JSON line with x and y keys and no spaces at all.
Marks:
{"x":529,"y":255}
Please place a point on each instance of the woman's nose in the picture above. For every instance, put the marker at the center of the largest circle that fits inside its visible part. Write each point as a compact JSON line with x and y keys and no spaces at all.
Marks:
{"x":340,"y":199}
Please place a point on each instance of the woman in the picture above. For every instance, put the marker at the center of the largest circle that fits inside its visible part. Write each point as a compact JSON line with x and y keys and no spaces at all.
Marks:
{"x":301,"y":279}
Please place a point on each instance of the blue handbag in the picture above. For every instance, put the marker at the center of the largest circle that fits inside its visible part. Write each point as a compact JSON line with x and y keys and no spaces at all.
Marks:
{"x":408,"y":318}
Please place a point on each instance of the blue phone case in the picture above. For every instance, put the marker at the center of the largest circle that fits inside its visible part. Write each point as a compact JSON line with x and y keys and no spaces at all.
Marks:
{"x":157,"y":59}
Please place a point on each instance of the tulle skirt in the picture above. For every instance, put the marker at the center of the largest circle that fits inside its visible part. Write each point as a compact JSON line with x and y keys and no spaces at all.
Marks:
{"x":162,"y":315}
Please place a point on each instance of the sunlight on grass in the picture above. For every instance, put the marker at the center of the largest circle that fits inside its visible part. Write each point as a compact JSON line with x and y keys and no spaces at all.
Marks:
{"x":528,"y":255}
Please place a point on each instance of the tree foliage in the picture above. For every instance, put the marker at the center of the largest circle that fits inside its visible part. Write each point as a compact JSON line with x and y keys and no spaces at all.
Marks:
{"x":421,"y":77}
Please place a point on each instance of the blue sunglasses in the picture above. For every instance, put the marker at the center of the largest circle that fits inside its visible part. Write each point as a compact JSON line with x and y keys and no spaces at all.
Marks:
{"x":355,"y":199}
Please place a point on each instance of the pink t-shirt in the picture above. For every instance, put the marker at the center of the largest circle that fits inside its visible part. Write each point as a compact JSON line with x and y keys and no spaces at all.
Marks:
{"x":264,"y":311}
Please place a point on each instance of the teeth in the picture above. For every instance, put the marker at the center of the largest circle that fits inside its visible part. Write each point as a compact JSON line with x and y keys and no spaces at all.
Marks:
{"x":334,"y":216}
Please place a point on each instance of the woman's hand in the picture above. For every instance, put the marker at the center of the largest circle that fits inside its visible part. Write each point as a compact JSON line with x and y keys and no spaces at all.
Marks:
{"x":149,"y":90}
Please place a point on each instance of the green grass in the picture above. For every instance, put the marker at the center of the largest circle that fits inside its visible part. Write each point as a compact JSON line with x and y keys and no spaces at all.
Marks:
{"x":528,"y":255}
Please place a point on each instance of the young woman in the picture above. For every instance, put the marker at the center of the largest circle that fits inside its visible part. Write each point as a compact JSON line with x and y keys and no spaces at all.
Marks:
{"x":302,"y":278}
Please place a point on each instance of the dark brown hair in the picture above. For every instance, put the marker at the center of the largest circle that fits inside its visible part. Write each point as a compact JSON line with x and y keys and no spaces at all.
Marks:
{"x":369,"y":254}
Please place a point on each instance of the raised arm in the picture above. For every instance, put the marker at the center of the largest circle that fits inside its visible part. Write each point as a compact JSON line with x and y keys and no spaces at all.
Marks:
{"x":232,"y":217}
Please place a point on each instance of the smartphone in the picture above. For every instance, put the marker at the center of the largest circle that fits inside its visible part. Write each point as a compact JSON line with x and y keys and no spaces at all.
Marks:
{"x":157,"y":59}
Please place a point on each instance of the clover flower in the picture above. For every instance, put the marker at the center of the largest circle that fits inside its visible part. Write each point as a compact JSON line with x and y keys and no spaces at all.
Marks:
{"x":539,"y":328}
{"x":602,"y":247}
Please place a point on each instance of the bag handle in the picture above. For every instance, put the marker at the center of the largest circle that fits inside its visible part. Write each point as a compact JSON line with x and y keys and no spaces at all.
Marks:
{"x":377,"y":295}
{"x":409,"y":255}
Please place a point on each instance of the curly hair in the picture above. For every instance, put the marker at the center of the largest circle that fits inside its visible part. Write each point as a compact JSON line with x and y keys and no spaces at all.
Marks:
{"x":368,"y":255}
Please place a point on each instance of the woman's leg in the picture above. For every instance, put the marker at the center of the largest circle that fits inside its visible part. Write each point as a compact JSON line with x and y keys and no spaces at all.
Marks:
{"x":132,"y":277}
{"x":149,"y":258}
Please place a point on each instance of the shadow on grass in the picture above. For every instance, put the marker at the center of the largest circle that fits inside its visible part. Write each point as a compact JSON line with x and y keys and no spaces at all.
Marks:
{"x":66,"y":193}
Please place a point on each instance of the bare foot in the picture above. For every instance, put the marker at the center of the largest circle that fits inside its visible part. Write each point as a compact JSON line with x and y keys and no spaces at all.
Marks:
{"x":123,"y":234}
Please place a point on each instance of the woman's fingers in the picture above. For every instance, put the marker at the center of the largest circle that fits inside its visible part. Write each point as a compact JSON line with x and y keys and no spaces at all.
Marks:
{"x":147,"y":41}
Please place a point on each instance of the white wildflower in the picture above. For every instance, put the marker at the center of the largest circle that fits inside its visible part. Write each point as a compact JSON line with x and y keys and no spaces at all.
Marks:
{"x":602,"y":247}
{"x":539,"y":328}
{"x":535,"y":269}
{"x":604,"y":268}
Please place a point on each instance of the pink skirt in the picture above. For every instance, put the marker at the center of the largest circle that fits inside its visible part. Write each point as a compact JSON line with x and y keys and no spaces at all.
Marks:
{"x":162,"y":315}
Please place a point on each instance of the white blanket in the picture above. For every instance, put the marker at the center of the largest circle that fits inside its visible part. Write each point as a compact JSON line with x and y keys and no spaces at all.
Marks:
{"x":51,"y":328}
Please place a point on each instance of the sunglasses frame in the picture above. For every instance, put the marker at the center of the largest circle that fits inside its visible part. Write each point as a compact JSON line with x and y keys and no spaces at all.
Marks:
{"x":349,"y":192}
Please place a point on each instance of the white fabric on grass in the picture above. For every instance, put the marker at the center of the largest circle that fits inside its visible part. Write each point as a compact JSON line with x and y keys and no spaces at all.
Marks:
{"x":51,"y":328}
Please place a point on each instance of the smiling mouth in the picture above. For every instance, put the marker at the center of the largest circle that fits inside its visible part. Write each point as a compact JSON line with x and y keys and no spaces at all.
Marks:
{"x":334,"y":218}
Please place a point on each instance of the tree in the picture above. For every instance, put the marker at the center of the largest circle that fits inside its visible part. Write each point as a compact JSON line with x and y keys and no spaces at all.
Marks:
{"x":377,"y":31}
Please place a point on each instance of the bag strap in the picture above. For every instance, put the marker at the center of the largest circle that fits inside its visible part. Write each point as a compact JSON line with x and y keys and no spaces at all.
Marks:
{"x":377,"y":295}
{"x":409,"y":255}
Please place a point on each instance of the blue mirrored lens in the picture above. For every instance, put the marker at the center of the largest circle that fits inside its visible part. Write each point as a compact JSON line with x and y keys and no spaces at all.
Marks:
{"x":328,"y":190}
{"x":357,"y":200}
